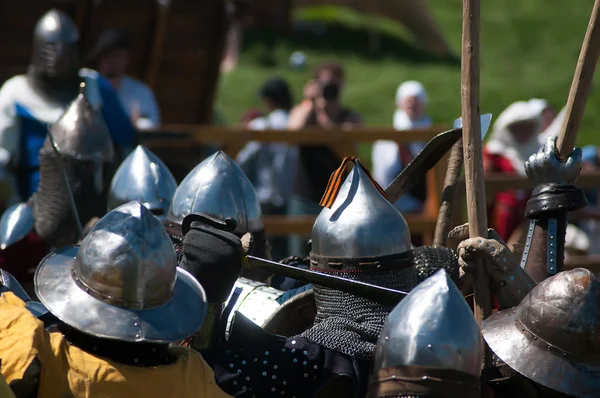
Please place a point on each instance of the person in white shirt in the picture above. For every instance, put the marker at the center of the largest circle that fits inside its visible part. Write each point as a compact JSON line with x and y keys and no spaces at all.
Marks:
{"x":388,"y":158}
{"x":272,"y":167}
{"x":110,"y":57}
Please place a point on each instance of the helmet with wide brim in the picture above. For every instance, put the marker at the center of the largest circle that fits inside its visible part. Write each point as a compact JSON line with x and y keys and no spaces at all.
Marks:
{"x":536,"y":359}
{"x":180,"y":317}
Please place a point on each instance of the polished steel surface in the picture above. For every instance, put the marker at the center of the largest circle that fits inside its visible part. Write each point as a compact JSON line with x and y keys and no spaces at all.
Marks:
{"x":56,"y":27}
{"x":16,"y":222}
{"x":552,"y":336}
{"x":81,"y":133}
{"x":219,"y":188}
{"x":257,"y":302}
{"x":361,"y":223}
{"x":545,"y":166}
{"x":143,"y":177}
{"x":433,"y":326}
{"x":123,"y":282}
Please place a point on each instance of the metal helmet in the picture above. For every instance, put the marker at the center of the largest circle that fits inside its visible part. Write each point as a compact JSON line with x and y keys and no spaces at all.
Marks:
{"x":430,"y":345}
{"x":361,"y":223}
{"x":551,"y":337}
{"x":143,"y":177}
{"x":123,"y":282}
{"x":55,"y":41}
{"x":81,"y":133}
{"x":433,"y":326}
{"x":219,"y":188}
{"x":16,"y":222}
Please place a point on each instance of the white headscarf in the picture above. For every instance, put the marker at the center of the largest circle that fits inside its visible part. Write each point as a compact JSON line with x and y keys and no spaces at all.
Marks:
{"x":554,"y":128}
{"x":407,"y":89}
{"x":502,"y":142}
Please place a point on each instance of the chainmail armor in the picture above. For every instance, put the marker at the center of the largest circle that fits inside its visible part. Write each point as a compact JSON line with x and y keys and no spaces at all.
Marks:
{"x":350,"y":324}
{"x":54,"y":221}
{"x":430,"y":259}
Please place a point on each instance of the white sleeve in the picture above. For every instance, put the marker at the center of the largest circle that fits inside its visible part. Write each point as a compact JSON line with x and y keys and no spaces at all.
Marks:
{"x":150,"y":106}
{"x":10,"y":126}
{"x":385,"y":162}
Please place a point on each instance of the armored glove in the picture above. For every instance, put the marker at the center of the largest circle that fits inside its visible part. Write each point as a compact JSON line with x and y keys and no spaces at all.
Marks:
{"x":545,"y":167}
{"x":212,"y":254}
{"x":509,"y":282}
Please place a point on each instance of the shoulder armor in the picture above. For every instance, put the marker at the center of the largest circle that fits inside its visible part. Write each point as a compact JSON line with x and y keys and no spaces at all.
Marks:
{"x":10,"y":284}
{"x":16,"y":222}
{"x":257,"y":301}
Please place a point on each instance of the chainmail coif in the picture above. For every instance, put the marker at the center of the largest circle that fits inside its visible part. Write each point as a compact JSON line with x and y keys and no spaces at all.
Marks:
{"x":54,"y":220}
{"x":350,"y":324}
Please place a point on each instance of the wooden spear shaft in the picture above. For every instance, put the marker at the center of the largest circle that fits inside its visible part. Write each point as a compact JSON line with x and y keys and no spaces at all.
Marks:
{"x":472,"y":148}
{"x":580,"y":87}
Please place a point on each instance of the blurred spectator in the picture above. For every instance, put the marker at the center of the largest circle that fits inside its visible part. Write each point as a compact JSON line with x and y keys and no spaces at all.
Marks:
{"x":553,"y":129}
{"x":272,"y":167}
{"x":321,"y":107}
{"x":110,"y":57}
{"x":250,"y":116}
{"x":547,"y":112}
{"x":514,"y":138}
{"x":389,"y":159}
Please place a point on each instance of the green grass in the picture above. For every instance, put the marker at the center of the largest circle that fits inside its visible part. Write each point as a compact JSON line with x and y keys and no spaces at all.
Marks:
{"x":529,"y":48}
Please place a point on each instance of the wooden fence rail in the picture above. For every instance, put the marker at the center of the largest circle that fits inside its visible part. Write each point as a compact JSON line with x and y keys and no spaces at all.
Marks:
{"x":178,"y":145}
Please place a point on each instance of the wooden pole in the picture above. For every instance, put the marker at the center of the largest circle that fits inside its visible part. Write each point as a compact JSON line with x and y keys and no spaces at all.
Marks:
{"x":472,"y":148}
{"x":444,"y":221}
{"x":580,"y":87}
{"x":160,"y":30}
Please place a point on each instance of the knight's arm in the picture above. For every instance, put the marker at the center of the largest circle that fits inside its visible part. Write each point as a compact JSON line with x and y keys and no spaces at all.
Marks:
{"x":553,"y":197}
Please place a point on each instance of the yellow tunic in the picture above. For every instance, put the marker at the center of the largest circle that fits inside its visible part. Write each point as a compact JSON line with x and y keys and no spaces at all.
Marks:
{"x":67,"y":371}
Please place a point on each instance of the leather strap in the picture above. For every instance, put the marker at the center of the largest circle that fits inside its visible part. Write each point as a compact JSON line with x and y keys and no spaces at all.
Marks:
{"x":336,"y":180}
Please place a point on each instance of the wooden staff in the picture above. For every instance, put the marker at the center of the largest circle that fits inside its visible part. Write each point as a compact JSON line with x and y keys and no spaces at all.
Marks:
{"x":444,"y":221}
{"x":580,"y":87}
{"x":160,"y":30}
{"x":472,"y":149}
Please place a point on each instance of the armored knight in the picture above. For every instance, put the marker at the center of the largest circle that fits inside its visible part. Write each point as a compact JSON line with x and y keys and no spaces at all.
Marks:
{"x":28,"y":103}
{"x":217,"y":187}
{"x":559,"y":313}
{"x":143,"y":177}
{"x":121,"y":300}
{"x":430,"y":346}
{"x":360,"y":236}
{"x":28,"y":230}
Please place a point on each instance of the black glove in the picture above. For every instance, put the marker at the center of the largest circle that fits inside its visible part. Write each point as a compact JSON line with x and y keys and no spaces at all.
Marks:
{"x":212,"y":254}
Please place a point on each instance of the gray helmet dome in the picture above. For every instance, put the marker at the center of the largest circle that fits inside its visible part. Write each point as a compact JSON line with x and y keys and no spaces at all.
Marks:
{"x":123,"y":282}
{"x":81,"y":132}
{"x":360,"y":223}
{"x":56,"y":27}
{"x":551,"y":337}
{"x":144,"y":178}
{"x":432,"y":327}
{"x":219,"y":188}
{"x":55,"y":47}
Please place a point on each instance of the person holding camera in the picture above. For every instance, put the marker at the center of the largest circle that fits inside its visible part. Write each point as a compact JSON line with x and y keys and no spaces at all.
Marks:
{"x":321,"y":107}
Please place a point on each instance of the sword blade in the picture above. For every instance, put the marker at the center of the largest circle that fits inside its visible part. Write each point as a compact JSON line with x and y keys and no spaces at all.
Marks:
{"x":375,"y":293}
{"x":435,"y":149}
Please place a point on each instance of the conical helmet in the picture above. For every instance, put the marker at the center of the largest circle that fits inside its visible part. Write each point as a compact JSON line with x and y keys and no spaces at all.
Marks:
{"x":81,"y":133}
{"x":144,"y":178}
{"x":123,"y":283}
{"x":359,"y":223}
{"x":552,"y":336}
{"x":219,"y":188}
{"x":430,"y":335}
{"x":55,"y":39}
